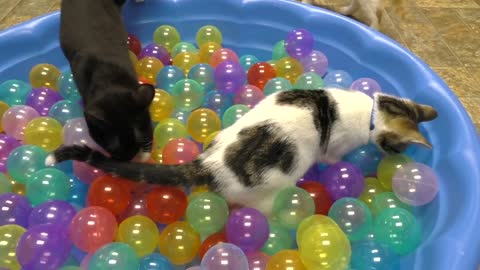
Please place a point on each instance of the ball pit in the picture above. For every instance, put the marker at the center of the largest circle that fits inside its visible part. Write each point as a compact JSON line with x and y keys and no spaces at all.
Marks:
{"x":447,"y":224}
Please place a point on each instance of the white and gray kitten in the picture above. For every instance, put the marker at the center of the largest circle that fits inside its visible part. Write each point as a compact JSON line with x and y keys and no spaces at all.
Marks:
{"x":275,"y":143}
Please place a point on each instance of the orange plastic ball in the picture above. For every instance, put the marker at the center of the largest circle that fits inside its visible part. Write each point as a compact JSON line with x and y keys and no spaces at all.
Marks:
{"x":108,"y":192}
{"x":166,"y":204}
{"x":206,"y":51}
{"x":201,"y":123}
{"x":286,"y":260}
{"x":186,"y":60}
{"x":179,"y":243}
{"x":162,"y":105}
{"x":289,"y":68}
{"x":147,"y":69}
{"x":222,"y":55}
{"x":45,"y":75}
{"x":260,"y":73}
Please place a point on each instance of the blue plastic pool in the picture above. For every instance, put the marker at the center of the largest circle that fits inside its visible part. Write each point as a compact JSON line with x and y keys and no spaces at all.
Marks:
{"x":450,"y":223}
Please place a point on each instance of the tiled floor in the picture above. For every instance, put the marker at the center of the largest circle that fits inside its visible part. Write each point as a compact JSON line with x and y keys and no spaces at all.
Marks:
{"x":444,"y":33}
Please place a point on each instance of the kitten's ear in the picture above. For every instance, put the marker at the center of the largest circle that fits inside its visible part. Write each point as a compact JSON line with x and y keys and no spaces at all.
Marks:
{"x":144,"y":95}
{"x":426,"y":113}
{"x":415,"y":137}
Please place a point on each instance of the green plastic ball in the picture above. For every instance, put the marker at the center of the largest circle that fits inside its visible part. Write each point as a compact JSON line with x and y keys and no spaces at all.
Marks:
{"x":232,"y":114}
{"x":278,"y":84}
{"x":47,"y":184}
{"x":118,"y":256}
{"x":309,"y":80}
{"x":208,"y":33}
{"x":387,"y":200}
{"x":24,"y":161}
{"x":246,"y":61}
{"x":292,"y":205}
{"x":279,"y":238}
{"x":182,"y":47}
{"x":187,"y":95}
{"x":279,"y":51}
{"x":353,"y":216}
{"x":207,"y":213}
{"x":388,"y":166}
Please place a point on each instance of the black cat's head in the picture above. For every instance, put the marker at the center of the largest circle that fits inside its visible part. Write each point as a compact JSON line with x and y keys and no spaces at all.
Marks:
{"x":396,"y":123}
{"x":119,"y":120}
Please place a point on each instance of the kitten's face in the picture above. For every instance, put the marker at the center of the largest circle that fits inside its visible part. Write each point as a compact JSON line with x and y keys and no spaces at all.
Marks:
{"x":121,"y":124}
{"x":396,"y":125}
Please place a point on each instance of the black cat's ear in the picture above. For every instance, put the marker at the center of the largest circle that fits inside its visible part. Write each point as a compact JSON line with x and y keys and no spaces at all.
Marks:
{"x":144,"y":95}
{"x":426,"y":113}
{"x":95,"y":117}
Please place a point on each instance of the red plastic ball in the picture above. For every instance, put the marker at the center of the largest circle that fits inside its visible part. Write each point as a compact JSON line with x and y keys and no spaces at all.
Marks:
{"x":260,"y":73}
{"x":166,"y":204}
{"x":180,"y":151}
{"x":322,"y":199}
{"x":108,"y":192}
{"x":134,"y":44}
{"x":212,"y":240}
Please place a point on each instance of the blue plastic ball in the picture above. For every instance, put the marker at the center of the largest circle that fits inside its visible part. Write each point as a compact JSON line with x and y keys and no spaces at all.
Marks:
{"x":366,"y":158}
{"x":218,"y":101}
{"x":78,"y":191}
{"x":155,"y":261}
{"x":247,"y":61}
{"x":203,"y":74}
{"x":338,"y":78}
{"x":65,"y":110}
{"x":168,"y":77}
{"x":370,"y":255}
{"x":67,"y":87}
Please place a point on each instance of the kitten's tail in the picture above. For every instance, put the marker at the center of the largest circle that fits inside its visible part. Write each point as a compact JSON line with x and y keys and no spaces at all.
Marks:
{"x":189,"y":174}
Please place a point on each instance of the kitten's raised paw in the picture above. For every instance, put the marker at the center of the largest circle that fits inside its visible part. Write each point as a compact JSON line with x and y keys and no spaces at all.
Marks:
{"x":142,"y":157}
{"x":50,"y":161}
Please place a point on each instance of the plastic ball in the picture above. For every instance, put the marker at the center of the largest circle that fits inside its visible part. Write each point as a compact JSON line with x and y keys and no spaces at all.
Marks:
{"x":155,"y":261}
{"x":371,"y":189}
{"x":166,"y":204}
{"x":299,"y":43}
{"x":181,"y":116}
{"x":52,"y":212}
{"x":292,"y":205}
{"x":208,"y":33}
{"x":16,"y":118}
{"x":279,"y":238}
{"x":42,"y":99}
{"x":7,"y":145}
{"x":118,"y":256}
{"x":319,"y":194}
{"x":203,"y":74}
{"x":234,"y":113}
{"x":9,"y":237}
{"x":44,"y":75}
{"x":278,"y":51}
{"x":308,"y":81}
{"x":197,"y":190}
{"x":208,"y":141}
{"x":106,"y":191}
{"x":3,"y":108}
{"x":78,"y":191}
{"x":286,"y":259}
{"x":229,"y":76}
{"x":353,"y":216}
{"x":218,"y":101}
{"x":166,"y":36}
{"x":14,"y":92}
{"x":5,"y":185}
{"x":25,"y":161}
{"x":162,"y":105}
{"x":180,"y":151}
{"x":398,"y":229}
{"x":136,"y":207}
{"x":222,"y":55}
{"x":288,"y":68}
{"x":260,"y":73}
{"x":277,"y":85}
{"x":387,"y":200}
{"x":389,"y":166}
{"x":67,"y":87}
{"x":147,"y":68}
{"x":415,"y":184}
{"x":65,"y":110}
{"x":206,"y":51}
{"x":224,"y":256}
{"x":133,"y":57}
{"x":367,"y":86}
{"x":249,"y":95}
{"x":257,"y":261}
{"x":140,"y":233}
{"x":179,"y":243}
{"x":186,"y":61}
{"x":343,"y":179}
{"x":201,"y":123}
{"x":247,"y":228}
{"x":14,"y":209}
{"x":134,"y":44}
{"x":207,"y":213}
{"x":156,"y":51}
{"x":44,"y":246}
{"x":246,"y":61}
{"x":311,"y":221}
{"x":168,"y":77}
{"x":167,"y":130}
{"x":211,"y":241}
{"x":338,"y":78}
{"x":183,"y":47}
{"x":45,"y":132}
{"x":370,"y":255}
{"x":71,"y":267}
{"x":366,"y":158}
{"x":85,"y":172}
{"x":187,"y":95}
{"x":316,"y":62}
{"x":47,"y":184}
{"x":92,"y":228}
{"x":75,"y":131}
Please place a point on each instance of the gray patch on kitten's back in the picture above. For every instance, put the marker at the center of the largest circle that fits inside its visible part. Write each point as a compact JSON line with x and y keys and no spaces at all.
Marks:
{"x":259,"y":148}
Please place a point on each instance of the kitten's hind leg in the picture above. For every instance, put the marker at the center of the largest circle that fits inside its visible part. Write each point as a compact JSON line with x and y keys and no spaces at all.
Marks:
{"x":349,"y":10}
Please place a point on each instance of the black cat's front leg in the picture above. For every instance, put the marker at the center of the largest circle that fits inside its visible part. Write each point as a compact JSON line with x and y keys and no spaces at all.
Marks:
{"x":145,"y":140}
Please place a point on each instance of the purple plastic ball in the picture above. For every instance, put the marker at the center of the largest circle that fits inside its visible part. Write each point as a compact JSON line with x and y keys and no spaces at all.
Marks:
{"x":248,"y":229}
{"x":157,"y":51}
{"x":42,"y":99}
{"x":44,"y":247}
{"x":415,"y":184}
{"x":229,"y":76}
{"x":367,"y":86}
{"x":299,"y":43}
{"x":52,"y":212}
{"x":343,"y":179}
{"x":7,"y":145}
{"x":14,"y":209}
{"x":316,"y":62}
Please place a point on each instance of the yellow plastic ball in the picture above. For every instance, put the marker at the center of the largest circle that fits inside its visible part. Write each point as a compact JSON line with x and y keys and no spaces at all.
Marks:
{"x":133,"y":57}
{"x":45,"y":75}
{"x":157,"y":155}
{"x":209,"y":139}
{"x":162,"y":105}
{"x":206,"y":50}
{"x":167,"y":130}
{"x":208,"y":33}
{"x":186,"y":60}
{"x":388,"y":166}
{"x":140,"y":233}
{"x":372,"y":188}
{"x":147,"y":69}
{"x":3,"y":108}
{"x":312,"y":221}
{"x":289,"y":68}
{"x":167,"y":36}
{"x":201,"y":123}
{"x":179,"y":242}
{"x":326,"y":247}
{"x":285,"y":260}
{"x":196,"y":190}
{"x":45,"y":132}
{"x":9,"y":236}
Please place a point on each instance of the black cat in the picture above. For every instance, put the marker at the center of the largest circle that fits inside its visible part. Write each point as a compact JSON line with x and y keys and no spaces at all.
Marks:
{"x":93,"y":38}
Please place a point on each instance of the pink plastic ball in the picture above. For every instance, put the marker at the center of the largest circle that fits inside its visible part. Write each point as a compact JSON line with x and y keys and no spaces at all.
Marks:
{"x":415,"y":184}
{"x":249,"y":95}
{"x":367,"y":86}
{"x":85,"y":172}
{"x":222,"y":55}
{"x":180,"y":151}
{"x":16,"y":118}
{"x":257,"y":260}
{"x":75,"y":131}
{"x":7,"y":145}
{"x":316,"y":62}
